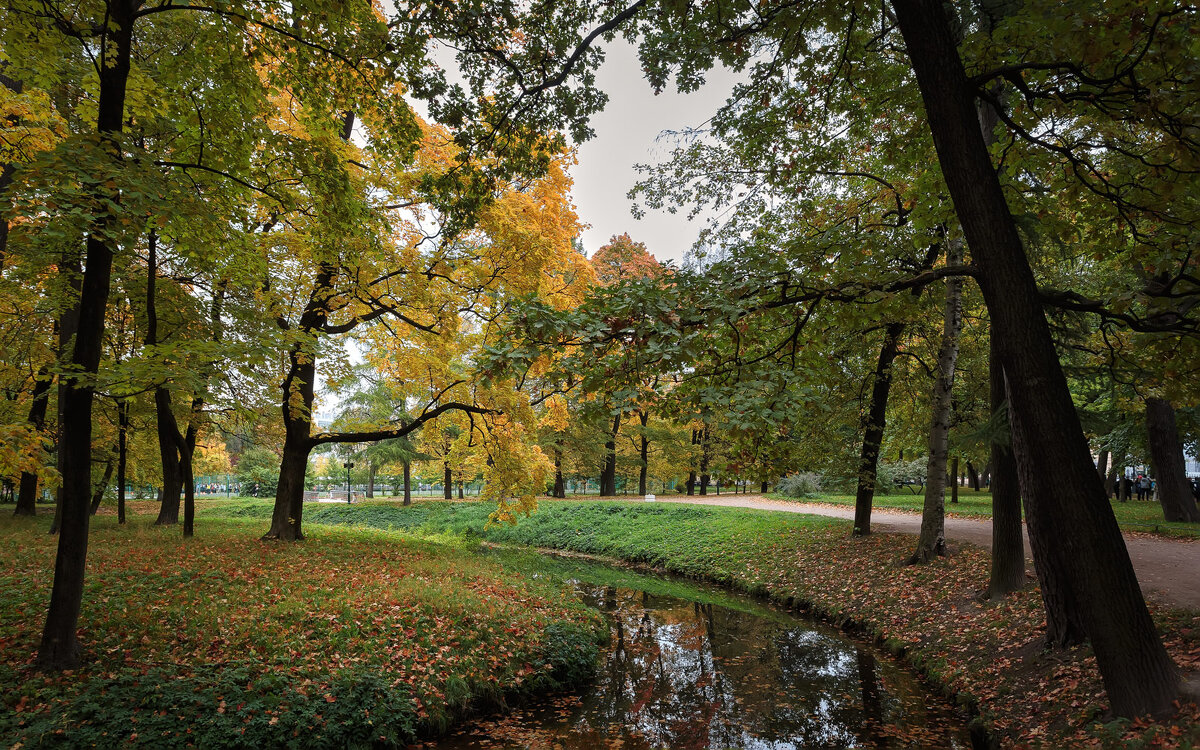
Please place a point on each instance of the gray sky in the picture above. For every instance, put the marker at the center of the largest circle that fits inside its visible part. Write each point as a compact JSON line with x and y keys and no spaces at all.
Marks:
{"x":626,"y":134}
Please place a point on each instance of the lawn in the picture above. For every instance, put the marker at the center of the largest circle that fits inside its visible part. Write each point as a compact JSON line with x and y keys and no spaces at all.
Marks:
{"x":1140,"y":516}
{"x":354,"y":638}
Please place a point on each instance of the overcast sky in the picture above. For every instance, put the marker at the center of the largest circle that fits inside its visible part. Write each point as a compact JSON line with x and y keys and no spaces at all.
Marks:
{"x":627,"y":134}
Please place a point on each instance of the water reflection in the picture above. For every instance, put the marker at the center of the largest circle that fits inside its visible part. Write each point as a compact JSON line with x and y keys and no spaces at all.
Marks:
{"x":684,"y":674}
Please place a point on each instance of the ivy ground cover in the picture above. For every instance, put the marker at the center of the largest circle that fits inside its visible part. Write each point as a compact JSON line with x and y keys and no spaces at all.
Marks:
{"x":353,"y":638}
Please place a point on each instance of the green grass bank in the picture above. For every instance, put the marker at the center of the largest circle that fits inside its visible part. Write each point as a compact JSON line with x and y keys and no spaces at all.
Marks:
{"x":986,"y":654}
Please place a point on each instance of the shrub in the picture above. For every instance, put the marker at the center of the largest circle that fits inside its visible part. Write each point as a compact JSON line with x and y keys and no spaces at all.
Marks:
{"x":799,"y":485}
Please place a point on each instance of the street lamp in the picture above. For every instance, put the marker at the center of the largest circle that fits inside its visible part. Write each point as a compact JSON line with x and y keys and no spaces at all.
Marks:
{"x":349,"y":465}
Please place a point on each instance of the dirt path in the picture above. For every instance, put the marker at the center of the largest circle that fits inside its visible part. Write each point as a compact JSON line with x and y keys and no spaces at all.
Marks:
{"x":1168,"y":569}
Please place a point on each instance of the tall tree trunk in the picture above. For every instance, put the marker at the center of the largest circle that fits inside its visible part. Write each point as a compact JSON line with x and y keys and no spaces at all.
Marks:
{"x":122,"y":454}
{"x":1008,"y":545}
{"x":98,"y":492}
{"x":1102,"y":464}
{"x":954,"y":474}
{"x":873,"y":429}
{"x":298,"y":395}
{"x":460,"y":489}
{"x":71,"y":268}
{"x":1072,"y":512}
{"x":560,"y":487}
{"x":608,"y":473}
{"x":1174,"y":490}
{"x":59,"y":645}
{"x":973,"y":475}
{"x":705,"y":478}
{"x":447,"y":481}
{"x":27,"y":495}
{"x":168,"y":451}
{"x":370,"y":480}
{"x":644,"y":454}
{"x":408,"y":483}
{"x":932,"y":541}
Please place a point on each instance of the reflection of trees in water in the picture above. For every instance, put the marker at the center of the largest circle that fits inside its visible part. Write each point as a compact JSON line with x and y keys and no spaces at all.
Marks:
{"x":685,"y":674}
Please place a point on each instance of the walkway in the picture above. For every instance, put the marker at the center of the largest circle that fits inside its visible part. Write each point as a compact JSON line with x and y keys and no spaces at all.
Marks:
{"x":1167,"y":568}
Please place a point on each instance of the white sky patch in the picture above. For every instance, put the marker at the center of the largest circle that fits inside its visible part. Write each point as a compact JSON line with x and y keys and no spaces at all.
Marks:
{"x":627,"y":134}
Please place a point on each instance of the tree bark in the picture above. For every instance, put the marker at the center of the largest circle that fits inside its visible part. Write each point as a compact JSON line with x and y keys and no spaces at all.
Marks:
{"x":122,"y":454}
{"x":1102,"y":464}
{"x":973,"y":474}
{"x":873,"y":429}
{"x":705,"y":478}
{"x":98,"y":492}
{"x":560,"y":486}
{"x":932,"y":541}
{"x":954,"y":474}
{"x":408,"y":483}
{"x":608,"y":473}
{"x":370,"y":480}
{"x":1174,"y":490}
{"x":644,"y":454}
{"x":27,"y":494}
{"x":1072,"y":512}
{"x":1008,"y":545}
{"x":59,"y":645}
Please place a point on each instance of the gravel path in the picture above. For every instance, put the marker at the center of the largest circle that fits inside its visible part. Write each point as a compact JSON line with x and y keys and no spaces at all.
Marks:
{"x":1168,"y":569}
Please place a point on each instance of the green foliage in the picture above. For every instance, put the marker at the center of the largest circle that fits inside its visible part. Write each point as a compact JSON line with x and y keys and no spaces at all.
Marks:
{"x":258,"y":472}
{"x":807,"y":485}
{"x":895,"y":475}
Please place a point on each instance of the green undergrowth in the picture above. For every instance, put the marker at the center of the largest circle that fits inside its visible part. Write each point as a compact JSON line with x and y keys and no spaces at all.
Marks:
{"x":356,"y":637}
{"x":987,"y":655}
{"x":1138,"y":516}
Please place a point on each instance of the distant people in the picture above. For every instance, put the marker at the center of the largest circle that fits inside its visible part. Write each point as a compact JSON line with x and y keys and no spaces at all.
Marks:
{"x":1143,"y":487}
{"x":1196,"y":488}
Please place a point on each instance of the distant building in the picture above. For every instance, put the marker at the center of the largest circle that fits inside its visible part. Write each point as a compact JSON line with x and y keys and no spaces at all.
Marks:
{"x":323,"y":419}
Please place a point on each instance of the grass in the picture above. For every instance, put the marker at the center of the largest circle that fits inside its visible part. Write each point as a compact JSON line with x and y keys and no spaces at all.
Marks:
{"x":1134,"y":516}
{"x":356,"y":637}
{"x":986,"y":654}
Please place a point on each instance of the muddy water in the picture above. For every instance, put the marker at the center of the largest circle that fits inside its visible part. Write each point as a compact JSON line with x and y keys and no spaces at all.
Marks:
{"x":690,"y":666}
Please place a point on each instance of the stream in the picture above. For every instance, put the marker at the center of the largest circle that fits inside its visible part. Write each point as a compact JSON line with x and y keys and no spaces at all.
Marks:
{"x":695,"y":666}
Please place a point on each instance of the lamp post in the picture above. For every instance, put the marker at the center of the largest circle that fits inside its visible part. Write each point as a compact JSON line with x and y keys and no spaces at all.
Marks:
{"x":349,"y":465}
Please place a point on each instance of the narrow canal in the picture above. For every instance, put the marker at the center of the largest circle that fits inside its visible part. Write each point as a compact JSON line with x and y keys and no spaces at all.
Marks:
{"x":695,"y":666}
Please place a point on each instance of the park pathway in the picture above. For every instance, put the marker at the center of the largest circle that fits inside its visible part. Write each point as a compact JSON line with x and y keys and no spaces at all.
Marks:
{"x":1168,"y":569}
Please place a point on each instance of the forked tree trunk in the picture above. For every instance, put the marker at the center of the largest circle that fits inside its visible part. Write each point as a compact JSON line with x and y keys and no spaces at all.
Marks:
{"x":98,"y":492}
{"x":298,"y":396}
{"x":59,"y":645}
{"x":168,"y":451}
{"x":1174,"y":490}
{"x":932,"y":541}
{"x":1072,"y":513}
{"x":873,"y":429}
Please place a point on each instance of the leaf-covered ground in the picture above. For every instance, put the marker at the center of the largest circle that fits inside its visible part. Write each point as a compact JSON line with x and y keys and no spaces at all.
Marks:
{"x":355,"y":637}
{"x":989,"y":654}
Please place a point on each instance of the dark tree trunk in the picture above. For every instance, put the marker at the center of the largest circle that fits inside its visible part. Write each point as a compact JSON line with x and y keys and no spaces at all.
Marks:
{"x":873,"y":429}
{"x":407,"y":483}
{"x":1174,"y":490}
{"x":973,"y":475}
{"x":704,"y":455}
{"x":644,"y":453}
{"x":763,"y":489}
{"x":98,"y":492}
{"x":122,"y":454}
{"x":71,"y":269}
{"x":1008,"y":546}
{"x":59,"y":646}
{"x":168,"y":451}
{"x":370,"y":480}
{"x":954,"y":486}
{"x":1071,"y":512}
{"x":460,"y":489}
{"x":27,"y":494}
{"x":560,"y":486}
{"x":691,"y":480}
{"x":608,"y":473}
{"x":287,"y":516}
{"x":447,"y":481}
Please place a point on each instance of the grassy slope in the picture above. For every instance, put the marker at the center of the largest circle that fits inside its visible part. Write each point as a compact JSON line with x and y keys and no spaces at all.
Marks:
{"x":354,"y":638}
{"x":987,"y":653}
{"x":1131,"y":516}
